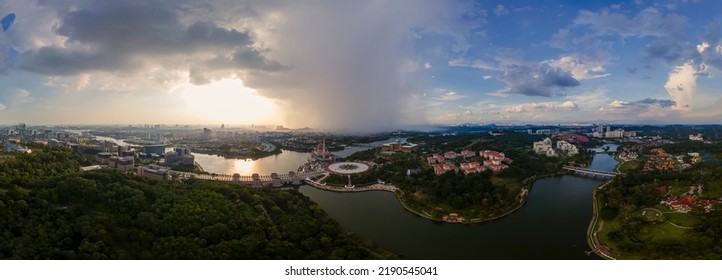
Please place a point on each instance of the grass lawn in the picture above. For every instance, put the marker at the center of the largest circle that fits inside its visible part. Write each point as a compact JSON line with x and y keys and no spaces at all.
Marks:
{"x":512,"y":184}
{"x":679,"y":188}
{"x":650,"y":232}
{"x":661,"y":231}
{"x":651,"y":215}
{"x":661,"y":207}
{"x":610,"y":226}
{"x":631,"y":165}
{"x":681,"y":219}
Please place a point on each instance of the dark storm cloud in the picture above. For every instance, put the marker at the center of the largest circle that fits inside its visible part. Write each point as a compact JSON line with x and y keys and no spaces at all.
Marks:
{"x":541,"y":81}
{"x":117,"y":35}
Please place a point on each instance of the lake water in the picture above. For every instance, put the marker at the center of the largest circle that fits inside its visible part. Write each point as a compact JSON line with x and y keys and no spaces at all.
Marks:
{"x":552,"y":224}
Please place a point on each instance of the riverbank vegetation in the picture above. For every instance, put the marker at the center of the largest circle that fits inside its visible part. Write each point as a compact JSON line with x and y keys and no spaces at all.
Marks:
{"x":240,"y":150}
{"x":49,"y":210}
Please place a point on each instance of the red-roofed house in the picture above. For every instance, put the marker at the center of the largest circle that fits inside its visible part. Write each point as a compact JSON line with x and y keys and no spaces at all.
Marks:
{"x":472,"y":167}
{"x":495,"y":165}
{"x":696,"y":159}
{"x":683,"y":204}
{"x":450,"y":155}
{"x":441,"y":168}
{"x":489,"y":154}
{"x":431,"y":160}
{"x":468,"y":153}
{"x":662,"y":189}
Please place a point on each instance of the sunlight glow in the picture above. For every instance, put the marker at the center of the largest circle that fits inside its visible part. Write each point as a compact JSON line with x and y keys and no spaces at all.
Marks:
{"x":228,"y":101}
{"x":243,"y":166}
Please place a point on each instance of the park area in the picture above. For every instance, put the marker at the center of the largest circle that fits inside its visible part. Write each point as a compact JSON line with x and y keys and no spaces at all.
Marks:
{"x":633,"y":237}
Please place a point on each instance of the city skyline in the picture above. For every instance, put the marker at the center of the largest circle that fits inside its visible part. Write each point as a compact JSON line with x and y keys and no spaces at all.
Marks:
{"x":360,"y":65}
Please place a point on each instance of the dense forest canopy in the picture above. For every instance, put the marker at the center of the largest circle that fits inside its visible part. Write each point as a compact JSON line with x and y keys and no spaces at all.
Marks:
{"x":49,"y":210}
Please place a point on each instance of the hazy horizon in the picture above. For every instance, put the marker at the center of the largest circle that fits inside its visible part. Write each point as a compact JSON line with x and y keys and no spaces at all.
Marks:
{"x":361,"y":66}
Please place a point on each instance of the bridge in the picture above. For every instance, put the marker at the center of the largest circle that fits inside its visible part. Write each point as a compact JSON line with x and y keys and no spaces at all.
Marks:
{"x":593,"y":172}
{"x":366,"y":145}
{"x":255,"y":180}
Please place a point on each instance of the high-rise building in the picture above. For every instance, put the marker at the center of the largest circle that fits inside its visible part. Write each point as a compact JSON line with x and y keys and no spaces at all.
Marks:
{"x":618,"y":133}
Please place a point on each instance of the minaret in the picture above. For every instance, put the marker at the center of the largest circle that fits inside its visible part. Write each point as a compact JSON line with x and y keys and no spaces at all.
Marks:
{"x":349,"y":183}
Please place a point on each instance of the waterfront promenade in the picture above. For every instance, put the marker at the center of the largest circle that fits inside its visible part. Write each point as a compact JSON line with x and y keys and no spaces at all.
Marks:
{"x":255,"y":179}
{"x":374,"y":187}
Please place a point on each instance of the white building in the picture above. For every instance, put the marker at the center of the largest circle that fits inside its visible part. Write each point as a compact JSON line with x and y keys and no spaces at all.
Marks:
{"x":618,"y":133}
{"x":542,"y":147}
{"x":567,"y":148}
{"x":698,"y":137}
{"x":154,"y":172}
{"x":545,"y":147}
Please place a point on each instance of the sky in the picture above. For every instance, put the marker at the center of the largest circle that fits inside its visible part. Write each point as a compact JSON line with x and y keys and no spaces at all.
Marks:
{"x":360,"y":65}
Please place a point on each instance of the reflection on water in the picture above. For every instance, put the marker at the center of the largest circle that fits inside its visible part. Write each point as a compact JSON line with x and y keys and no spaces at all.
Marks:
{"x":243,"y":166}
{"x":281,"y":163}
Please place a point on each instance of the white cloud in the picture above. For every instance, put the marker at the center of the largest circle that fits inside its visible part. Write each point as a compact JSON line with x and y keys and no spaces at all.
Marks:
{"x":2,"y":107}
{"x":646,"y":108}
{"x":590,"y":99}
{"x":486,"y":77}
{"x":479,"y":64}
{"x":83,"y":81}
{"x":682,"y":85}
{"x":542,"y":107}
{"x":500,"y":10}
{"x":450,"y":96}
{"x":579,"y":67}
{"x":427,"y":66}
{"x":21,"y":97}
{"x":702,"y":47}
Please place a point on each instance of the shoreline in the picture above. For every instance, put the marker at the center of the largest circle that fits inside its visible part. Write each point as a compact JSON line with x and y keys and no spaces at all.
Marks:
{"x":421,"y":213}
{"x":592,"y":228}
